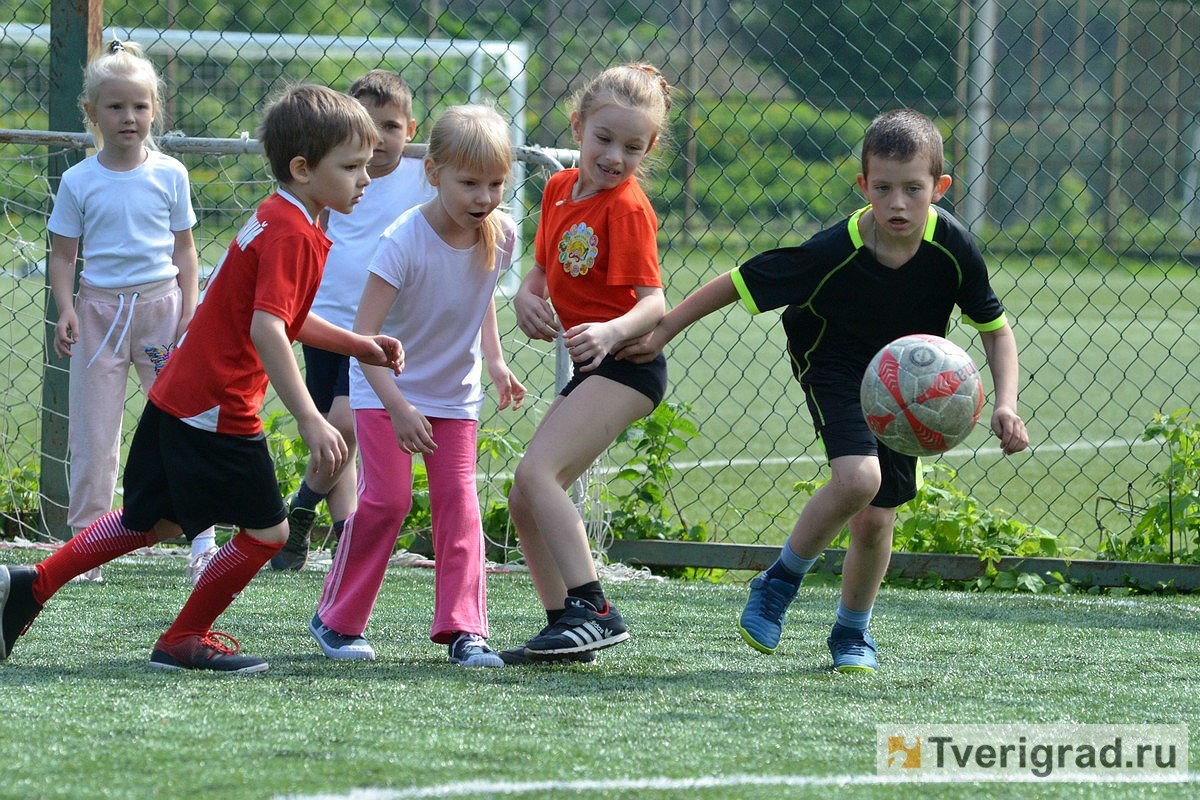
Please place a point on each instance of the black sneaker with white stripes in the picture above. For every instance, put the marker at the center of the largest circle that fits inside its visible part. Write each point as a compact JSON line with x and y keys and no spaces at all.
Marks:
{"x":581,"y":629}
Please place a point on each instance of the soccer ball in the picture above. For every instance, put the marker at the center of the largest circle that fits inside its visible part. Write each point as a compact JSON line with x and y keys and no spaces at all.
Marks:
{"x":921,"y":395}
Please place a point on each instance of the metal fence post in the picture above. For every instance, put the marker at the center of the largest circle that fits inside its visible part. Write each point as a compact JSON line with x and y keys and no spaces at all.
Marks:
{"x":74,"y":35}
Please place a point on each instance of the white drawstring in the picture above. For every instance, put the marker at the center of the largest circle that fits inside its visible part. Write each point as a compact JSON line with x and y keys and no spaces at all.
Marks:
{"x":112,"y":327}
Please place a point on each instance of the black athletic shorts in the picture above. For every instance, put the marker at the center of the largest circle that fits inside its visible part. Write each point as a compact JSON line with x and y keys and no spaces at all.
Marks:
{"x":650,"y":378}
{"x":198,"y":478}
{"x":837,"y":415}
{"x":327,"y":375}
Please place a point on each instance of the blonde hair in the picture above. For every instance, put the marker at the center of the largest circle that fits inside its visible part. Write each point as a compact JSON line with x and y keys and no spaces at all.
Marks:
{"x":309,"y":121}
{"x":124,"y":60}
{"x":638,"y":85}
{"x":474,"y":138}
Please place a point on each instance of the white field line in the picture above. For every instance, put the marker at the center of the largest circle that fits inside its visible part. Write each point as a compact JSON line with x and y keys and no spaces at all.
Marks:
{"x":492,"y":788}
{"x":960,"y":454}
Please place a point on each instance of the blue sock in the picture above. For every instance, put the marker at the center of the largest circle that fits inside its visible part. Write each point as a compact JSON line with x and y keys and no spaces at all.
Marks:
{"x":857,"y":620}
{"x":790,"y":567}
{"x":306,"y":498}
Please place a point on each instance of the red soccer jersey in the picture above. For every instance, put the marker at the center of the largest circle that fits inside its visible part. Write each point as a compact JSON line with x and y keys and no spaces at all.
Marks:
{"x":596,"y":250}
{"x":214,"y":380}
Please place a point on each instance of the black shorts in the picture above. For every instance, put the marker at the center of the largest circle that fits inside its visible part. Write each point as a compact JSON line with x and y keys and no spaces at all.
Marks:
{"x":650,"y":378}
{"x":837,"y":415}
{"x":198,"y":478}
{"x":327,"y":375}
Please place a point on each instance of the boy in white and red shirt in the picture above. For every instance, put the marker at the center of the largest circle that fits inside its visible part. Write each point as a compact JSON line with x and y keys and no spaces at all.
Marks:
{"x":199,"y":456}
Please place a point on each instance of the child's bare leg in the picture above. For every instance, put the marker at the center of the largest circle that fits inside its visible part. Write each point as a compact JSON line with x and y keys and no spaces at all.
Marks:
{"x":867,"y":557}
{"x":572,"y":435}
{"x":852,"y":485}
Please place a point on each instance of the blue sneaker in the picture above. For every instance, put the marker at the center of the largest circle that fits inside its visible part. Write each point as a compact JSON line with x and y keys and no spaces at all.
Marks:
{"x":852,"y":650}
{"x":761,"y":624}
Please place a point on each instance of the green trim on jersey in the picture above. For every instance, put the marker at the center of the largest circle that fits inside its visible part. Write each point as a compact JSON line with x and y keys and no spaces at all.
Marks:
{"x":986,"y":327}
{"x":856,"y":234}
{"x":740,"y":285}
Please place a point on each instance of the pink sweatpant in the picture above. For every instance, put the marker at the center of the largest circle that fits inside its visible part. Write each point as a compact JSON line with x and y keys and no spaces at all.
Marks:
{"x":384,"y":500}
{"x":135,"y":325}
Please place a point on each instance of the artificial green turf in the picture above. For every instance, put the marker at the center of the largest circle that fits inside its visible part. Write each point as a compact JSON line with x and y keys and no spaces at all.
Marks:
{"x":84,"y":715}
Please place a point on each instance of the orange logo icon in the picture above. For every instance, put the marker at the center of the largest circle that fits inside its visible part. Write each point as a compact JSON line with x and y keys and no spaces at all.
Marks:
{"x":902,"y":754}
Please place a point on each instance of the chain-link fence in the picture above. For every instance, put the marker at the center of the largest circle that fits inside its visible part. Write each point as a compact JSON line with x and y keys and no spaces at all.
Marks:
{"x":1072,"y":134}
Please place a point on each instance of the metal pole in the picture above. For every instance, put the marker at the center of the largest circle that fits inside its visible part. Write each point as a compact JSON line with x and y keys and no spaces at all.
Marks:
{"x":979,"y":116}
{"x":74,"y":35}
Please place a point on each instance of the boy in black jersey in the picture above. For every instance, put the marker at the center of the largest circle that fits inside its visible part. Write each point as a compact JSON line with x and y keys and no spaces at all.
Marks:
{"x":896,"y":267}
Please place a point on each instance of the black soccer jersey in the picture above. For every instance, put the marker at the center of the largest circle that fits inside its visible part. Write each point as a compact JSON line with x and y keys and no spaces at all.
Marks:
{"x":843,"y":305}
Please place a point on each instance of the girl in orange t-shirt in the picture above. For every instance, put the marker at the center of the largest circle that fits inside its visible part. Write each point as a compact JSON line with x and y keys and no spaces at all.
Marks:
{"x":597,"y":263}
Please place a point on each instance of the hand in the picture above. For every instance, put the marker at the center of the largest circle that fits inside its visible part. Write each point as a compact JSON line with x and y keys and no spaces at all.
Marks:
{"x":642,"y":349}
{"x":413,"y":432}
{"x":535,"y":316}
{"x":590,"y":342}
{"x":181,"y":328}
{"x":1010,"y":430}
{"x":507,"y":386}
{"x":326,"y":446}
{"x":382,"y":351}
{"x":66,"y":333}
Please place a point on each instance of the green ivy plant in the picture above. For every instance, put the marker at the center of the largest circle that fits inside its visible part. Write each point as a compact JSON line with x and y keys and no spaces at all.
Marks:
{"x":640,"y":499}
{"x":1169,"y":528}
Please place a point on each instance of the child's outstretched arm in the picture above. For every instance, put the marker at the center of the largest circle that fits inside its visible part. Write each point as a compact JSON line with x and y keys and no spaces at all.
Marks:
{"x":377,"y":350}
{"x":187,"y":261}
{"x":589,"y":342}
{"x":269,"y":335}
{"x":1001,"y":348}
{"x":714,"y":295}
{"x":63,"y":252}
{"x":510,"y":390}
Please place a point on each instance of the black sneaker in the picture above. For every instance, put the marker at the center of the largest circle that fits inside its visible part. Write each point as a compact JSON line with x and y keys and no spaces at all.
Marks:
{"x":515,"y":657}
{"x":19,"y":607}
{"x":581,"y":629}
{"x":295,"y":552}
{"x":214,"y":650}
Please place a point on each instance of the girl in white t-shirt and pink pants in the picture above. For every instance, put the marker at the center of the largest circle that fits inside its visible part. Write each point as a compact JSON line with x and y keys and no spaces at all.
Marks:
{"x":131,"y":207}
{"x":431,"y":285}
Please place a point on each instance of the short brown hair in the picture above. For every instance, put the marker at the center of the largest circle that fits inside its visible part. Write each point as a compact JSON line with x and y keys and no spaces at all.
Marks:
{"x":383,"y":88}
{"x":309,"y":121}
{"x":902,"y":135}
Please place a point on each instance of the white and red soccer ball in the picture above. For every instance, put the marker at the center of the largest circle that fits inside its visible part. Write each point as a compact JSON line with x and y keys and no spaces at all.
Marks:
{"x":921,"y":395}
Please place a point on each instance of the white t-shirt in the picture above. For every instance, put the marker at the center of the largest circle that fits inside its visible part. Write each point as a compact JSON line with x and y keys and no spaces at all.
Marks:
{"x":127,"y":219}
{"x":355,"y":236}
{"x":437,"y":315}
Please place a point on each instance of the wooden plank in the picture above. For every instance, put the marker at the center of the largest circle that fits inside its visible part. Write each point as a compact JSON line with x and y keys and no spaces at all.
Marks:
{"x":658,"y":553}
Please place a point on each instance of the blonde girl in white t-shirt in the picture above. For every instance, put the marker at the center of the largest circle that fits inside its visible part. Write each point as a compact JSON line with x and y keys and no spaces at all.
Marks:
{"x":431,"y":285}
{"x":131,"y":205}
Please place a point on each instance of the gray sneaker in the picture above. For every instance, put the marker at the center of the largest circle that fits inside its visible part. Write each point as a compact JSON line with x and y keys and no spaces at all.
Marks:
{"x":339,"y":645}
{"x":295,"y":552}
{"x":471,"y":650}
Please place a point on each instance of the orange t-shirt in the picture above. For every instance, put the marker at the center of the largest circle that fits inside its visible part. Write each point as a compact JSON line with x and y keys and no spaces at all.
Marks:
{"x":596,"y":250}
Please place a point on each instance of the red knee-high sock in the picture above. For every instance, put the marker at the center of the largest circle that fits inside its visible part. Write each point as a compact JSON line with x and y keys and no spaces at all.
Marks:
{"x":222,"y":580}
{"x":99,"y":543}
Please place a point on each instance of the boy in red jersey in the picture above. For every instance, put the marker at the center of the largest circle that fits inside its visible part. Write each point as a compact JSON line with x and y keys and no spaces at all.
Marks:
{"x":199,"y":456}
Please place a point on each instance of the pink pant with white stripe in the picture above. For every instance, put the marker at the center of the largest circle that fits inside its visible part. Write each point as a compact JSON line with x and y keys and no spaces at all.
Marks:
{"x":384,"y":500}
